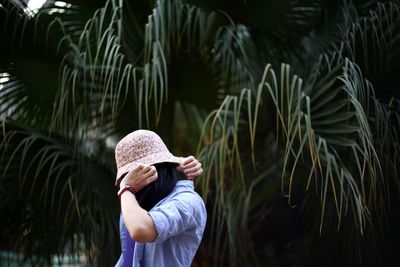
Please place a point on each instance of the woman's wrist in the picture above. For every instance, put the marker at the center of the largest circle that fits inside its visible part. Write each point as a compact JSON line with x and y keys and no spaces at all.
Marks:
{"x":125,"y":187}
{"x":123,"y":183}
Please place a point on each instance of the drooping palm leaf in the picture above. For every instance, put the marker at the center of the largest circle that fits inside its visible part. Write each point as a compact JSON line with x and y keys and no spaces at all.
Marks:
{"x":322,"y":127}
{"x":372,"y":42}
{"x":41,"y":176}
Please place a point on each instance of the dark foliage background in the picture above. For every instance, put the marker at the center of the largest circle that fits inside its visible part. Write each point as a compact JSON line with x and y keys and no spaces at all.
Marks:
{"x":292,"y":107}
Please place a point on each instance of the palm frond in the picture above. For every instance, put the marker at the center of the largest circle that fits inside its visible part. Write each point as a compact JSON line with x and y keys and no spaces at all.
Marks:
{"x":372,"y":41}
{"x":175,"y":27}
{"x":322,"y":127}
{"x":96,"y":64}
{"x":94,"y":73}
{"x":41,"y":176}
{"x":385,"y":121}
{"x":21,"y":103}
{"x":335,"y":95}
{"x":221,"y":150}
{"x":11,"y":95}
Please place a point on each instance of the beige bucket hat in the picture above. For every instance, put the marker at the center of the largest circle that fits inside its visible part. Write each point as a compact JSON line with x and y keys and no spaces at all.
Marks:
{"x":141,"y":147}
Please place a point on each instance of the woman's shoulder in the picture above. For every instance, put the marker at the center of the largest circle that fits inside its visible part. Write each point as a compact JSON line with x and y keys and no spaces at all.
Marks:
{"x":184,"y":189}
{"x":184,"y":202}
{"x":191,"y":197}
{"x":185,"y":196}
{"x":191,"y":204}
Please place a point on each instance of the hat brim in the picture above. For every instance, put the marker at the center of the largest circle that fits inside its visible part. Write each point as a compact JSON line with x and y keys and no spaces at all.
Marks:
{"x":148,"y":160}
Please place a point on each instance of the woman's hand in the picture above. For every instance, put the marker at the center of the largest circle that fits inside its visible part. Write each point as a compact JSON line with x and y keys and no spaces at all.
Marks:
{"x":191,"y":167}
{"x":143,"y":175}
{"x":140,"y":177}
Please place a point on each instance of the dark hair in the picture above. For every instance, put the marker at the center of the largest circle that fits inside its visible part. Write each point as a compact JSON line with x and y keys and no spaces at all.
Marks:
{"x":150,"y":195}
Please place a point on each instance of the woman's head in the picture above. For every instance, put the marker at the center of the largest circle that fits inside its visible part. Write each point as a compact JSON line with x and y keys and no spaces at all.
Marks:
{"x":147,"y":148}
{"x":141,"y":147}
{"x":150,"y":195}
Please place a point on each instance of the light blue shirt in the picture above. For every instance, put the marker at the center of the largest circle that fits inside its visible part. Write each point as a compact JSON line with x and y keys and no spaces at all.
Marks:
{"x":180,"y":219}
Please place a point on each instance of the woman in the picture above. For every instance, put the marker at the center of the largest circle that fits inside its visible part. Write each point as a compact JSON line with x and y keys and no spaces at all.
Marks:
{"x":162,"y":217}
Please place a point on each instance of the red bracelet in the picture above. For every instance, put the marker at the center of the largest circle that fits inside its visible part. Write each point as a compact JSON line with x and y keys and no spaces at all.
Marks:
{"x":126,"y":188}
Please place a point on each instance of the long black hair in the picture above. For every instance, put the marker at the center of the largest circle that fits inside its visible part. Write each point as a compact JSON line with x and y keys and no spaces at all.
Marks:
{"x":150,"y":195}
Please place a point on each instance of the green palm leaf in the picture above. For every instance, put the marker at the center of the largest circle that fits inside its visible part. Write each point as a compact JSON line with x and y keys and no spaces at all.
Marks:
{"x":372,"y":42}
{"x":41,"y":176}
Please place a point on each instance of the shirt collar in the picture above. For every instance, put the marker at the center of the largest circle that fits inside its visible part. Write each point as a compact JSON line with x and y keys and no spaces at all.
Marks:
{"x":184,"y":185}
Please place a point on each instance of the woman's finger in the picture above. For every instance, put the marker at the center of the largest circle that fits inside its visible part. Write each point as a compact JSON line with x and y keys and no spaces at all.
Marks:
{"x":145,"y":181}
{"x":137,"y":169}
{"x":151,"y":172}
{"x":191,"y":165}
{"x":193,"y":175}
{"x":145,"y":169}
{"x":187,"y":160}
{"x":193,"y":169}
{"x":136,"y":175}
{"x":133,"y":174}
{"x":152,"y":178}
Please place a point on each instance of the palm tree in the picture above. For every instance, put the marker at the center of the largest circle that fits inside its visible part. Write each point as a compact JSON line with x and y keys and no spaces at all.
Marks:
{"x":291,"y":106}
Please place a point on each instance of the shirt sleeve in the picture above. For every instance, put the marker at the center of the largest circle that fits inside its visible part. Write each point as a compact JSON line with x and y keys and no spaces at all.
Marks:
{"x":174,"y":216}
